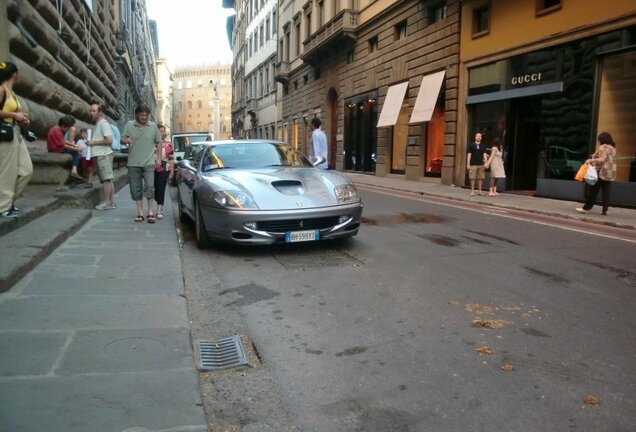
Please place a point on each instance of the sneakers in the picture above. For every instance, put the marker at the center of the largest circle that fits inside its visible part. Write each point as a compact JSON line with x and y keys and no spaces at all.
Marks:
{"x":581,"y":210}
{"x":11,"y":213}
{"x":104,"y":206}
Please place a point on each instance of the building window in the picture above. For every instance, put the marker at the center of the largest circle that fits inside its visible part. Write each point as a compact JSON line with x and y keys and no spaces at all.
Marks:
{"x":260,"y":31}
{"x":267,"y":79}
{"x":399,"y":31}
{"x":321,"y":13}
{"x":297,"y":39}
{"x":350,"y":57}
{"x":274,"y":23}
{"x":287,"y":51}
{"x":189,"y":84}
{"x":267,"y":34}
{"x":373,"y":44}
{"x":199,"y":104}
{"x":307,"y":24}
{"x":481,"y":21}
{"x":189,"y":104}
{"x":547,"y":6}
{"x":437,"y":13}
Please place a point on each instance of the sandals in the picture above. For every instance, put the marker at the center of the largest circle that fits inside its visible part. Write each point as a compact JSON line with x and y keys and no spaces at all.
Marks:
{"x":139,"y":218}
{"x":151,"y":219}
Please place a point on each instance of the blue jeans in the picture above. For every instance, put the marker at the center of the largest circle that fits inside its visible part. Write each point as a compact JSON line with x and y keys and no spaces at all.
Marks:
{"x":75,"y":155}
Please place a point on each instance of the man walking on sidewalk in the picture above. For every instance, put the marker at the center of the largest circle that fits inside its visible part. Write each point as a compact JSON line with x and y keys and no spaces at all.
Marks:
{"x":318,"y":144}
{"x":101,"y":151}
{"x":144,"y":155}
{"x":475,"y":164}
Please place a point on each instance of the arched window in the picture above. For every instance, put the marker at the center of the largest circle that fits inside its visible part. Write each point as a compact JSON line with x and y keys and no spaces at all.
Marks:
{"x":199,"y":104}
{"x":189,"y":104}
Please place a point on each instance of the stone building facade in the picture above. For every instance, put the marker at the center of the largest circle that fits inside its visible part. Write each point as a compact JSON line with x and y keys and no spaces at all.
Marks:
{"x":73,"y":52}
{"x":164,"y":93}
{"x":255,"y":104}
{"x":193,"y":94}
{"x":543,"y":79}
{"x":340,"y":61}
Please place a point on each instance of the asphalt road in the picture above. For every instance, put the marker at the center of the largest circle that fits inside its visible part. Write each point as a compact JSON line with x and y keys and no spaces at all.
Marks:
{"x":391,"y":331}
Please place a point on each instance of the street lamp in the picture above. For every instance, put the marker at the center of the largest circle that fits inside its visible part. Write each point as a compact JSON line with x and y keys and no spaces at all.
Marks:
{"x":217,"y":119}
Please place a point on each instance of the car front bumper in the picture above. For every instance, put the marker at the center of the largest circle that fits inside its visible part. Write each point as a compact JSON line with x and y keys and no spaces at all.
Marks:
{"x":229,"y":226}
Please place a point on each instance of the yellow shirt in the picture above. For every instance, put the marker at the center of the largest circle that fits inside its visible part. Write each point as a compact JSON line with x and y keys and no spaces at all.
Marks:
{"x":11,"y":104}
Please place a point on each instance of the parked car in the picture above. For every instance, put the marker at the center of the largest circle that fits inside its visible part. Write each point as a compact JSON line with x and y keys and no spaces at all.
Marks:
{"x":188,"y":154}
{"x":263,"y":192}
{"x":181,"y":141}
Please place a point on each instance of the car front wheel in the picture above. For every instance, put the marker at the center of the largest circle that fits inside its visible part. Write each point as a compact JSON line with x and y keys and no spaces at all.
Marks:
{"x":200,"y":233}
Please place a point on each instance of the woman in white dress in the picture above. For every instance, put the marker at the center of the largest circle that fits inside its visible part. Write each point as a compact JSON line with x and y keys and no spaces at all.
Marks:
{"x":495,"y":162}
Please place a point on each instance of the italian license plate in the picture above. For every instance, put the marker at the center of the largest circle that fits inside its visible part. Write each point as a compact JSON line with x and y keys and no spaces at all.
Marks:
{"x":300,"y":236}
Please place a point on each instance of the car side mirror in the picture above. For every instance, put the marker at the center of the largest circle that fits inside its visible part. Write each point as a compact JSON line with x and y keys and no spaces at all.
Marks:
{"x":319,"y":160}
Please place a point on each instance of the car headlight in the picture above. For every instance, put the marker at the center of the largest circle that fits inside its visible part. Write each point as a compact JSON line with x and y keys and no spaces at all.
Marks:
{"x":347,"y":193}
{"x":234,"y":199}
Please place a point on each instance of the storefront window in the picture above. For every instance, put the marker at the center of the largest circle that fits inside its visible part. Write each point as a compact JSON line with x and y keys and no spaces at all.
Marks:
{"x":617,"y":112}
{"x":398,"y":144}
{"x":360,"y":133}
{"x":435,"y":143}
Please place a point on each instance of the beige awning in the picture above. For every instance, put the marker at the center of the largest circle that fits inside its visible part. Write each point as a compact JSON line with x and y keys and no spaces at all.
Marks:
{"x":392,"y":104}
{"x":426,"y":97}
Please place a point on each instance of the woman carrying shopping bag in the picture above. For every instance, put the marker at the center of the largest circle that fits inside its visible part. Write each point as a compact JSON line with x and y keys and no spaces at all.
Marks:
{"x":15,"y":162}
{"x":604,"y":160}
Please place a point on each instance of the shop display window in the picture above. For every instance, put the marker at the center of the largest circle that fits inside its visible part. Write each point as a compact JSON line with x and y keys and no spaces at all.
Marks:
{"x":617,"y":110}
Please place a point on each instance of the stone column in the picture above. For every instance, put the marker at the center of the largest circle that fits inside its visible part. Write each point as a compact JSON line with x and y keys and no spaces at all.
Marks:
{"x":4,"y":35}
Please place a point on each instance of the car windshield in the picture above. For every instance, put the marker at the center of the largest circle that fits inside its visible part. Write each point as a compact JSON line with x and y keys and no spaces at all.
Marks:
{"x":252,"y":156}
{"x":180,"y":142}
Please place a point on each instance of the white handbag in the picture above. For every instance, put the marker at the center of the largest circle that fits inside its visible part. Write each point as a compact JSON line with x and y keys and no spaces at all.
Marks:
{"x":591,"y":176}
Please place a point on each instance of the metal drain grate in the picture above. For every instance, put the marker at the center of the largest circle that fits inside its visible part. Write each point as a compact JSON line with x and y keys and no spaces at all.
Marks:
{"x":306,"y":259}
{"x":220,"y":354}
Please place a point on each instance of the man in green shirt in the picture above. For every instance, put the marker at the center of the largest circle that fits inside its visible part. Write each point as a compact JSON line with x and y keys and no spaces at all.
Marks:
{"x":144,"y":155}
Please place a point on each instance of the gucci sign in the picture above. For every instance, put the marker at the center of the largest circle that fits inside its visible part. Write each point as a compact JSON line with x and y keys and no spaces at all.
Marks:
{"x":527,"y":78}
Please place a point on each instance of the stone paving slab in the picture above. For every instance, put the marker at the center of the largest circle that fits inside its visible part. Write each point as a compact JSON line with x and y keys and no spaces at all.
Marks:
{"x":108,"y":402}
{"x":29,"y":353}
{"x":145,"y":350}
{"x":92,"y":312}
{"x":74,"y":284}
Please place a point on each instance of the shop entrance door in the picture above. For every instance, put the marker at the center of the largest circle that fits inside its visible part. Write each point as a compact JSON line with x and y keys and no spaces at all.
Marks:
{"x":523,"y":144}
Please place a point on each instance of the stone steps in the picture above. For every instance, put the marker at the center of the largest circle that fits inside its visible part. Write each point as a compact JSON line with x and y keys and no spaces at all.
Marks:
{"x":25,"y":247}
{"x":49,"y":214}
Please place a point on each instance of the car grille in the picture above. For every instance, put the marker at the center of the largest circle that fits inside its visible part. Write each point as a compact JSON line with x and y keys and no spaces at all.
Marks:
{"x":297,"y":224}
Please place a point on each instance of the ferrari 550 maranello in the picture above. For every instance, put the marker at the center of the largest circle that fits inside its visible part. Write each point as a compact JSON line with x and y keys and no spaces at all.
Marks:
{"x":263,"y":192}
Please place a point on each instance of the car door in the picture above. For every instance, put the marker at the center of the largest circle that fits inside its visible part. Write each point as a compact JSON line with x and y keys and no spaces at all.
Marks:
{"x":188,"y":177}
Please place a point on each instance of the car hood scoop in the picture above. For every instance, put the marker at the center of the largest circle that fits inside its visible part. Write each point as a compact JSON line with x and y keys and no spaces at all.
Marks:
{"x":282,"y":188}
{"x":289,"y":187}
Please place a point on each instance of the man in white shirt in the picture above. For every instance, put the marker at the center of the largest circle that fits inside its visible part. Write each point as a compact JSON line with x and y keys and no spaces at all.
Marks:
{"x":318,"y":144}
{"x":101,"y":151}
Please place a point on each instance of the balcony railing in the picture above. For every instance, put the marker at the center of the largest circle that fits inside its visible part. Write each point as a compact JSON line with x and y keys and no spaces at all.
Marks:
{"x":281,"y":73}
{"x":339,"y":31}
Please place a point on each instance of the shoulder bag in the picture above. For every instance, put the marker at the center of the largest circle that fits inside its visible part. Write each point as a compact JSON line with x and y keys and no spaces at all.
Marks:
{"x":6,"y":129}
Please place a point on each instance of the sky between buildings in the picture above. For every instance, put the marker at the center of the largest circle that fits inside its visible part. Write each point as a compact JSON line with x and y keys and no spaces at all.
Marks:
{"x":191,"y":32}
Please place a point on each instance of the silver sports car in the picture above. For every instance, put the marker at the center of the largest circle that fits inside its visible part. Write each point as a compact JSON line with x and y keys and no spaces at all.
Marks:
{"x":260,"y":192}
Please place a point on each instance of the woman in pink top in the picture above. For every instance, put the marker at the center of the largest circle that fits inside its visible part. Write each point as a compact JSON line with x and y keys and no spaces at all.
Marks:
{"x":163,"y":172}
